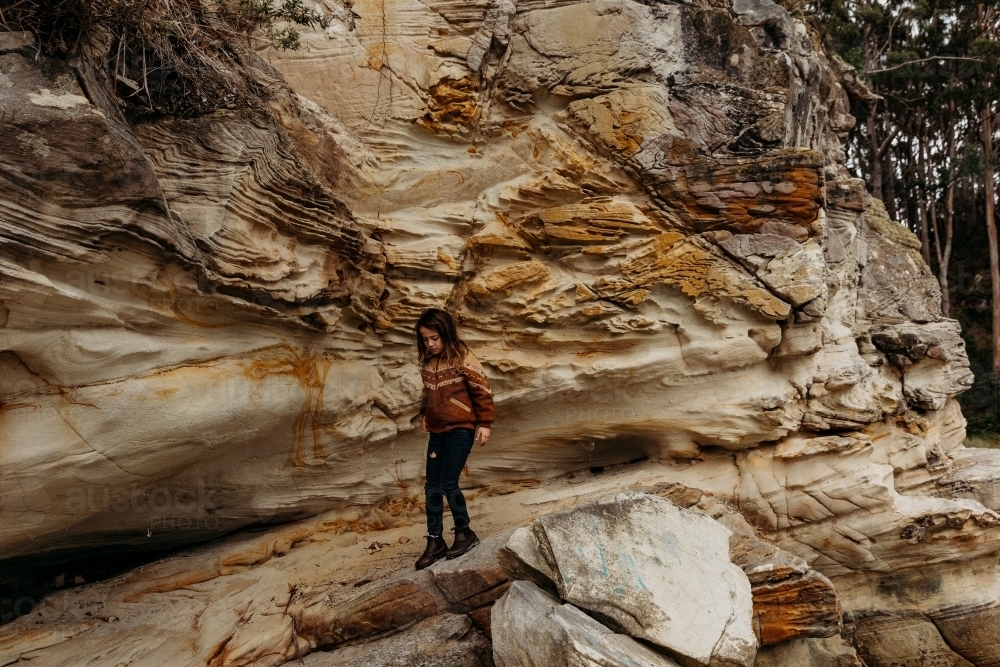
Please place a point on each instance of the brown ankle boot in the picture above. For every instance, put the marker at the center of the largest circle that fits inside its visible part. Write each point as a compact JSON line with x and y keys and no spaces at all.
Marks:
{"x":465,"y":539}
{"x":436,"y":548}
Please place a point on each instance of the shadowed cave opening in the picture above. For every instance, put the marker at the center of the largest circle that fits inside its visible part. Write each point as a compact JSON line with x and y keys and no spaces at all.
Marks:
{"x":26,"y":580}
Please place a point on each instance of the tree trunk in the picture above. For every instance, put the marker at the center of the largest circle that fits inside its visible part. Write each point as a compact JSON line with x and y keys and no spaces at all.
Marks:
{"x":873,"y":146}
{"x":890,"y":187}
{"x":911,"y":199}
{"x":923,"y":197}
{"x":949,"y":217}
{"x":991,"y":233}
{"x":932,"y":214}
{"x":875,"y":166}
{"x":885,"y":166}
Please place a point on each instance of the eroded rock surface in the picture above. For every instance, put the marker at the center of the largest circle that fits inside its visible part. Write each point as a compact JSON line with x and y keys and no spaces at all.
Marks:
{"x":448,"y":640}
{"x":641,"y":216}
{"x":833,"y":652}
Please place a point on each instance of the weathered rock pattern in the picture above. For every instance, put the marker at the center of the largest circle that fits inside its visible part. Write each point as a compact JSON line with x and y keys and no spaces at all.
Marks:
{"x":832,"y":652}
{"x":322,"y":584}
{"x":268,"y":598}
{"x":448,"y":640}
{"x":476,"y":581}
{"x":533,"y":629}
{"x":639,"y":212}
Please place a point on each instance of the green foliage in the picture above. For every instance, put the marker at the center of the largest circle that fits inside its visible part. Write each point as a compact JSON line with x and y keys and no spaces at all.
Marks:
{"x":979,"y":403}
{"x":181,"y":57}
{"x":797,"y":8}
{"x":272,"y":21}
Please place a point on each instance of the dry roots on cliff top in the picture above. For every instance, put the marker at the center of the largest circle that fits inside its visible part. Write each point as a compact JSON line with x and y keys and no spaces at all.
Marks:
{"x":182,"y":57}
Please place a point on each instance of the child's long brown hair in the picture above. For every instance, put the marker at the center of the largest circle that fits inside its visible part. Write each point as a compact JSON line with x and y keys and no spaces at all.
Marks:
{"x":440,"y":321}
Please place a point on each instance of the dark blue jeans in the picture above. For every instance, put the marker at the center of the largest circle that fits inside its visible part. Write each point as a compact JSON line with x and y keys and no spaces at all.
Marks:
{"x":446,"y":456}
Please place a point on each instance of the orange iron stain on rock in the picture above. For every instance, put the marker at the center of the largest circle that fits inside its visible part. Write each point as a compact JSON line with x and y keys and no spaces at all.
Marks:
{"x":453,"y":106}
{"x":310,"y":371}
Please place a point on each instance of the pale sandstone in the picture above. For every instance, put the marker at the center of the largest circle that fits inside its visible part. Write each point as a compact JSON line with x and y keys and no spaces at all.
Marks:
{"x":791,"y":601}
{"x":206,"y":321}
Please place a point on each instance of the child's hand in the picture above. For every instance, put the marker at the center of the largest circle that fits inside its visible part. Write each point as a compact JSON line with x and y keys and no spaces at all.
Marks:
{"x":482,"y":435}
{"x":423,"y":423}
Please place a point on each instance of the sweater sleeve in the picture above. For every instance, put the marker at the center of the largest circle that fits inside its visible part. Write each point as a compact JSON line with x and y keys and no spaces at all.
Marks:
{"x":479,"y":389}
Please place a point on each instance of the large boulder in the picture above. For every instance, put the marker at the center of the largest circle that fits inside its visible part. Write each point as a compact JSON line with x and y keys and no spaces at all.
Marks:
{"x":648,"y":569}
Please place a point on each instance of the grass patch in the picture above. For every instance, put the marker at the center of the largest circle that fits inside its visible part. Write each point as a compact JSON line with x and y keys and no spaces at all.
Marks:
{"x":983,"y":440}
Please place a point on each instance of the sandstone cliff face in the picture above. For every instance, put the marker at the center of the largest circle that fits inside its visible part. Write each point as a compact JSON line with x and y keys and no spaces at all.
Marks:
{"x":639,"y":212}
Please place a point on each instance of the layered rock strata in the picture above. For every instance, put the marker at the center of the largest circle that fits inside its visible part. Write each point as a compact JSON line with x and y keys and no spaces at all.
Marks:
{"x":326,"y":591}
{"x":641,"y":216}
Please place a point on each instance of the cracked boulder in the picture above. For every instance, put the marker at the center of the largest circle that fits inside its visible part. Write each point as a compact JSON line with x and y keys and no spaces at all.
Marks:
{"x":791,"y":601}
{"x":647,"y":569}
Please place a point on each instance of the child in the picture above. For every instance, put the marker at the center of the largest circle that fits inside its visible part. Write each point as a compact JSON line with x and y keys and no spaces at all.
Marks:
{"x":457,"y":410}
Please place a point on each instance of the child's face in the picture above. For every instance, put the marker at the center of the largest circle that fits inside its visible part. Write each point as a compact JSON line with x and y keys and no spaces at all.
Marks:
{"x":432,"y":340}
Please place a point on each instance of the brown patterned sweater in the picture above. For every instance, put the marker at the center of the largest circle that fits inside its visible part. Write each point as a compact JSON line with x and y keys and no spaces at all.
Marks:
{"x":456,"y":395}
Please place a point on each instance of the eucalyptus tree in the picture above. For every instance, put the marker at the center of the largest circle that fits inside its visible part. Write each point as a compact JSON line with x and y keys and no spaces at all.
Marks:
{"x":984,"y":53}
{"x":931,"y":120}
